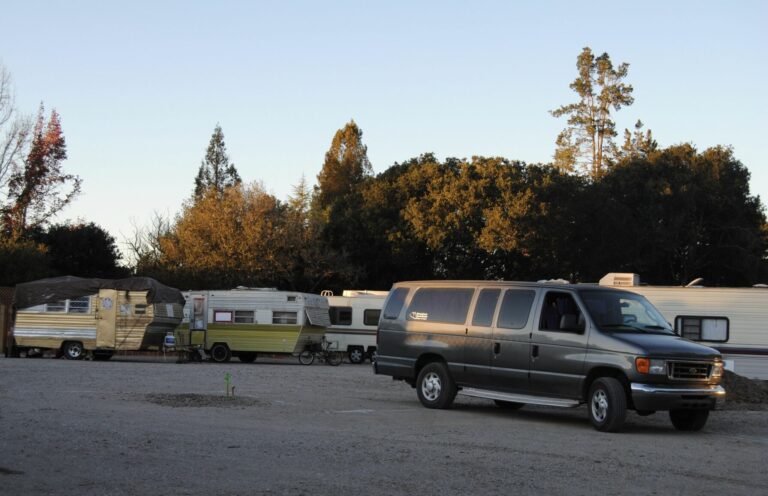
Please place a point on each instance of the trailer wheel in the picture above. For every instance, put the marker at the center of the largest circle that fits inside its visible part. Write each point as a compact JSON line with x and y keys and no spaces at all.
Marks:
{"x":102,"y":355}
{"x":246,"y":356}
{"x":73,"y":350}
{"x":220,"y":353}
{"x":356,"y":354}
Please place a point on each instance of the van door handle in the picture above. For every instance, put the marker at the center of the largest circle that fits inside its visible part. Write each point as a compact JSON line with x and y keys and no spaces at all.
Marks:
{"x":535,"y":351}
{"x":496,"y":348}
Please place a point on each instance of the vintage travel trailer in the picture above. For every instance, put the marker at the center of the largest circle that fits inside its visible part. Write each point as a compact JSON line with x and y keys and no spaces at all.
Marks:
{"x":244,"y":322}
{"x":77,"y":316}
{"x":732,"y":320}
{"x":354,"y":319}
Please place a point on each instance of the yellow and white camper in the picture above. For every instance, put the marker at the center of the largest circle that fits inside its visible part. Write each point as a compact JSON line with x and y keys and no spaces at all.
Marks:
{"x":77,"y":316}
{"x":243,"y":322}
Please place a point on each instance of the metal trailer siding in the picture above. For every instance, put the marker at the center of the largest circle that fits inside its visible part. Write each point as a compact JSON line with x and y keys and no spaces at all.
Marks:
{"x":357,"y":333}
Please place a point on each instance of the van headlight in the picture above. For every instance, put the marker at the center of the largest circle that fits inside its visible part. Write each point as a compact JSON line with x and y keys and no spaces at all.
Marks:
{"x":717,"y":369}
{"x":650,"y":366}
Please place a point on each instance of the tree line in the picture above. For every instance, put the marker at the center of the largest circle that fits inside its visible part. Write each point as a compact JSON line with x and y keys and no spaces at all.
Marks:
{"x":602,"y":205}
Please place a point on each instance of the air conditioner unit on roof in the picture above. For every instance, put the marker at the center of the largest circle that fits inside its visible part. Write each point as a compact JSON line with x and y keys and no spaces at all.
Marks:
{"x":620,"y":279}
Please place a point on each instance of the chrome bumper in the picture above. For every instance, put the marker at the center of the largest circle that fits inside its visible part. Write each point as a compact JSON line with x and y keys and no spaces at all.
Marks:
{"x":666,"y":397}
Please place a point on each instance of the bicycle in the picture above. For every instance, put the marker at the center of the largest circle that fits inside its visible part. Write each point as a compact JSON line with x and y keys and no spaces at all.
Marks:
{"x":325,"y":351}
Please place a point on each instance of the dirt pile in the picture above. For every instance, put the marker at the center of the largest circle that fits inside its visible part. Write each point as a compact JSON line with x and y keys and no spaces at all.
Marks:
{"x":201,"y":400}
{"x":743,"y":393}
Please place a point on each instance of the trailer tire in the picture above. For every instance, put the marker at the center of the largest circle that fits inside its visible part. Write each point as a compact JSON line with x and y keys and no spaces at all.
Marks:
{"x":220,"y":353}
{"x":246,"y":356}
{"x":73,"y":350}
{"x":356,"y":354}
{"x":102,"y":356}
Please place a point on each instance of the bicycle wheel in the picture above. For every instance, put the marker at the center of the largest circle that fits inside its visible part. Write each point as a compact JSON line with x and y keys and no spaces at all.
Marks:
{"x":334,"y":358}
{"x":306,"y":357}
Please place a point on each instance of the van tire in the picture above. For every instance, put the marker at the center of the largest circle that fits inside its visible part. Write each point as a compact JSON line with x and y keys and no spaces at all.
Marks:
{"x":356,"y":354}
{"x":73,"y":350}
{"x":688,"y":420}
{"x":435,"y":387}
{"x":607,"y":404}
{"x":220,"y":353}
{"x":509,"y":405}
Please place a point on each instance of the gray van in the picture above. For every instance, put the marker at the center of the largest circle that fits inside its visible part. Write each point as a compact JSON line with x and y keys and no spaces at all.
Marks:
{"x":549,"y":344}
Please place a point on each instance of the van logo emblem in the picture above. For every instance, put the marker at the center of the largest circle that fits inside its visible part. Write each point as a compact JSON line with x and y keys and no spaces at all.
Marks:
{"x":691,"y":370}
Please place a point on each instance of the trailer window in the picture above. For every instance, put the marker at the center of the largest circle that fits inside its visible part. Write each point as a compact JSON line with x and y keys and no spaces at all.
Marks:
{"x":243,"y":316}
{"x":140,"y":309}
{"x":56,"y":306}
{"x":79,"y":305}
{"x":446,"y":305}
{"x":340,"y":315}
{"x":371,"y":316}
{"x":222,"y":315}
{"x":703,"y":328}
{"x":284,"y":317}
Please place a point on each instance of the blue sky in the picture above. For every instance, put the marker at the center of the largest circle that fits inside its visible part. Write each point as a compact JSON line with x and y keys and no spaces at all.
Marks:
{"x":141,"y":85}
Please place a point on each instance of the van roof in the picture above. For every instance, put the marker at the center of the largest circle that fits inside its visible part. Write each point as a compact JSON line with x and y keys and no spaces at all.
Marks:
{"x":528,"y":284}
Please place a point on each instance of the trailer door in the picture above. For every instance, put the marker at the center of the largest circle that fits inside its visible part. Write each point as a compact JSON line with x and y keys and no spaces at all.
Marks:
{"x":106,"y":318}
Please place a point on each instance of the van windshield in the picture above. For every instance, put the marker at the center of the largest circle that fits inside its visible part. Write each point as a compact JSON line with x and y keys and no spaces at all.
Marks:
{"x":624,"y":312}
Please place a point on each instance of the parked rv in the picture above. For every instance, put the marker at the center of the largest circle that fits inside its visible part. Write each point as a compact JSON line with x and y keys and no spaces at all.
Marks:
{"x":731,"y":320}
{"x":545,"y":344}
{"x":77,"y":316}
{"x":354,"y":318}
{"x":244,"y":322}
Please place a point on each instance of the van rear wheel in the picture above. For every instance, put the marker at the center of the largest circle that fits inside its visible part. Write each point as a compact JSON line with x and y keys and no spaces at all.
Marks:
{"x":509,"y":405}
{"x":435,"y":387}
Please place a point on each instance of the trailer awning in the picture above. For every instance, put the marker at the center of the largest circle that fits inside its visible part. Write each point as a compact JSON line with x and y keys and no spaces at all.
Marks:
{"x":54,"y":289}
{"x":318,"y":316}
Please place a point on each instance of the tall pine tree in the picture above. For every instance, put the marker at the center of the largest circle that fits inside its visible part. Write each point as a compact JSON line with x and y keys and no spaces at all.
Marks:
{"x":216,"y":172}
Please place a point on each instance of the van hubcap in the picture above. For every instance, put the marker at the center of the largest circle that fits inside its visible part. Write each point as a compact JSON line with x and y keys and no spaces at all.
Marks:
{"x":599,"y":405}
{"x":431,"y":386}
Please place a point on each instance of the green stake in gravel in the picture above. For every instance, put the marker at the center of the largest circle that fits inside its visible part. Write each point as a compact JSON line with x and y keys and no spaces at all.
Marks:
{"x":228,"y":378}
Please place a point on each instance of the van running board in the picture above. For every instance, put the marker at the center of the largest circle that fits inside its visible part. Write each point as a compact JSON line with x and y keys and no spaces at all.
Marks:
{"x":518,"y":398}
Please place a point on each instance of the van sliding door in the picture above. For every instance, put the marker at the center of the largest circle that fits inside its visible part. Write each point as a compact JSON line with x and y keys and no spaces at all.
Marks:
{"x":510,"y":359}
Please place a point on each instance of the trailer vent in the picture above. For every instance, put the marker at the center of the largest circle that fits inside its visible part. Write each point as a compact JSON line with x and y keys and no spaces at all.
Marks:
{"x":620,"y":279}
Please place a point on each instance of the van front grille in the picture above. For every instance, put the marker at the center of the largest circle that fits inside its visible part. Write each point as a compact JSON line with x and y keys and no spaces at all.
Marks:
{"x":690,"y":370}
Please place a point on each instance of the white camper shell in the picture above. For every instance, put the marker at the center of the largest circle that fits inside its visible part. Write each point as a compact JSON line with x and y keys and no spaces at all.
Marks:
{"x":732,"y":320}
{"x":354,"y":318}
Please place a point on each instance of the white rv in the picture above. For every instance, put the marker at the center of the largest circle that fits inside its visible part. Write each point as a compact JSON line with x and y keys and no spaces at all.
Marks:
{"x":354,"y":319}
{"x":732,"y":320}
{"x":243,"y":322}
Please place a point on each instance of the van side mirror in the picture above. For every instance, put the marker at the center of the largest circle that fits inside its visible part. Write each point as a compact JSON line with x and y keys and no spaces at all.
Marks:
{"x":571,"y":322}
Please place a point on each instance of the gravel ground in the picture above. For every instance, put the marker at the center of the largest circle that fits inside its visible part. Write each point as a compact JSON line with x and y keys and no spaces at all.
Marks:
{"x":143,"y":426}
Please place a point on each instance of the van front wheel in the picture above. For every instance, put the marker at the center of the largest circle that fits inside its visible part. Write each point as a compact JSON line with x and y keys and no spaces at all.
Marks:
{"x":607,"y":404}
{"x":434,"y":387}
{"x":689,"y":420}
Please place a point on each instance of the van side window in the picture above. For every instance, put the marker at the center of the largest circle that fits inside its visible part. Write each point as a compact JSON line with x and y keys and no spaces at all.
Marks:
{"x":447,"y":305}
{"x":395,"y":303}
{"x":515,"y":308}
{"x":485,"y":307}
{"x":560,"y":313}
